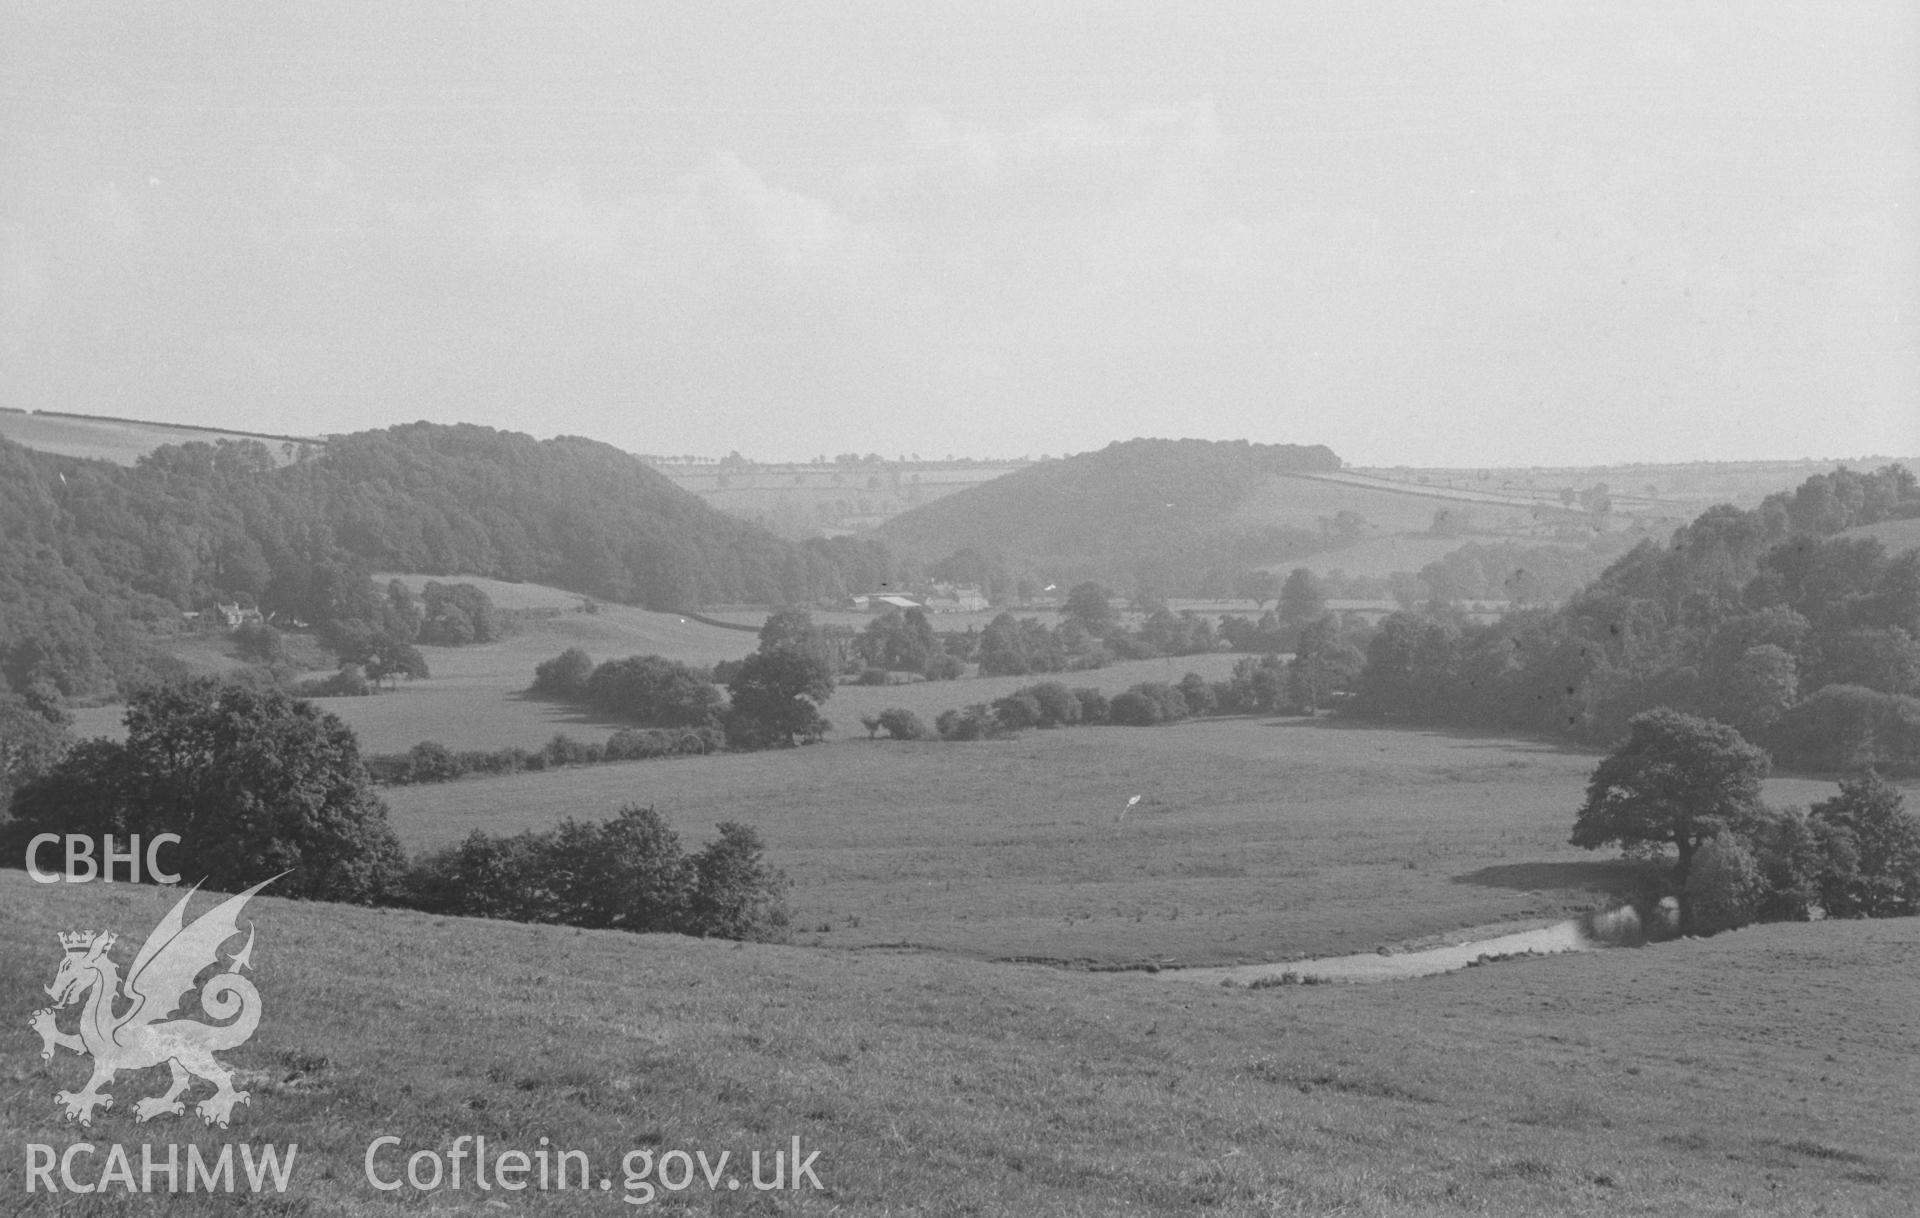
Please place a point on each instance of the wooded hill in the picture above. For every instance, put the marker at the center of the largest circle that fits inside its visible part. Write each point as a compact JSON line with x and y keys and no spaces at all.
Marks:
{"x":1152,"y":508}
{"x":95,"y":558}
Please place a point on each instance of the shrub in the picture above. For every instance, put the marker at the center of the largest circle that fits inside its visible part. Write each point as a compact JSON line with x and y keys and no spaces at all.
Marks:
{"x":1133,"y":709}
{"x":944,"y":667}
{"x":431,"y":761}
{"x":1094,"y":707}
{"x":565,"y":750}
{"x":1197,"y":694}
{"x":735,"y":894}
{"x":1017,"y":710}
{"x":1725,"y":886}
{"x":1788,"y":854}
{"x":974,"y":722}
{"x":628,"y":873}
{"x":1058,"y":705}
{"x":347,"y":683}
{"x":1870,"y":847}
{"x":565,"y":675}
{"x":874,"y":676}
{"x":903,"y":724}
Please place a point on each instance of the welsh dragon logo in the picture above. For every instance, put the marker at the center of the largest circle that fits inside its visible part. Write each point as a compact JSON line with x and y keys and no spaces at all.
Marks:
{"x":142,"y":1035}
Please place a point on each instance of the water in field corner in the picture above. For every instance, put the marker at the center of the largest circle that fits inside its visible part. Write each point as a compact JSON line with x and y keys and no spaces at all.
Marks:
{"x":1394,"y":966}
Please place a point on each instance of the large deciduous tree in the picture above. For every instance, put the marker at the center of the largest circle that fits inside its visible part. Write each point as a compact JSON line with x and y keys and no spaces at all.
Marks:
{"x":1676,"y":779}
{"x":778,"y":690}
{"x":254,"y":782}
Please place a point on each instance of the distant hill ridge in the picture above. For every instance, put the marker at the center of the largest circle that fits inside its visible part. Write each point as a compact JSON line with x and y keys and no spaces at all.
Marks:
{"x":94,"y":557}
{"x":1127,"y":498}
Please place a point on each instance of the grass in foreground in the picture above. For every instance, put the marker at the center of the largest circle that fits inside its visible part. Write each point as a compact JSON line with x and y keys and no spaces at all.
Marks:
{"x":1767,"y":1071}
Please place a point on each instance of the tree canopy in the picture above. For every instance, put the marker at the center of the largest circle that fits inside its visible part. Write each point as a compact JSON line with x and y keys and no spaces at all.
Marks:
{"x":253,"y":781}
{"x":1675,"y":780}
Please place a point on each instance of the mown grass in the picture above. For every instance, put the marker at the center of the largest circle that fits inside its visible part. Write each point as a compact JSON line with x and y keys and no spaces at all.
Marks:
{"x":1767,"y":1071}
{"x":1255,"y":840}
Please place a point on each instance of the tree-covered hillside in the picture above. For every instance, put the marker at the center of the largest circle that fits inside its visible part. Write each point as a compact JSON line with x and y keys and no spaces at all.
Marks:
{"x":1136,"y":507}
{"x":96,"y":559}
{"x":1777,"y":620}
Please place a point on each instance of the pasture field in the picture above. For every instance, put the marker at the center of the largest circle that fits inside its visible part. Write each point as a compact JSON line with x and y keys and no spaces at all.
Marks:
{"x":1895,"y":535}
{"x":1773,"y":1074}
{"x":476,"y":698}
{"x":120,"y":441}
{"x":1255,"y":839}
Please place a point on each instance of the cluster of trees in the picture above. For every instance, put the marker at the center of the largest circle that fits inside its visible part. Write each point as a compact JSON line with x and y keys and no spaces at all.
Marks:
{"x":96,"y":559}
{"x":1693,"y":785}
{"x":628,"y":873}
{"x":256,"y":783}
{"x":1265,"y":685}
{"x":647,"y":689}
{"x":431,"y":761}
{"x":773,"y":696}
{"x":1805,"y":641}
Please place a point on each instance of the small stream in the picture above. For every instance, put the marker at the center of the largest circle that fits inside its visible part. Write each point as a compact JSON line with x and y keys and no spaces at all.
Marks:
{"x":1395,"y":966}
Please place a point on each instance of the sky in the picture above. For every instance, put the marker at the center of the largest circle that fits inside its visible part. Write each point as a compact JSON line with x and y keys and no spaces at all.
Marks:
{"x":1463,"y":234}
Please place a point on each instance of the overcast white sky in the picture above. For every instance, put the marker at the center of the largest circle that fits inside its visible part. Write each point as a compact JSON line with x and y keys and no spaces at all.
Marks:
{"x":1443,"y":234}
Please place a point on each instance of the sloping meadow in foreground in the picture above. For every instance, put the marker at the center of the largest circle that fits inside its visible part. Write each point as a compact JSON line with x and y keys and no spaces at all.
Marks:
{"x":1765,"y":1071}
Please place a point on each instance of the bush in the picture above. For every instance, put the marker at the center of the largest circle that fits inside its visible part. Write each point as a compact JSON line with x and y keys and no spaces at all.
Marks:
{"x":1197,"y":694}
{"x":565,"y":675}
{"x":944,"y":667}
{"x":565,"y":750}
{"x":628,"y":873}
{"x":875,"y":676}
{"x":1870,"y":851}
{"x":1018,"y":710}
{"x":1094,"y":707}
{"x":431,"y":761}
{"x":1133,"y":709}
{"x":974,"y":722}
{"x":1725,"y":886}
{"x":1058,"y":705}
{"x":347,"y":683}
{"x":735,"y":893}
{"x":902,"y":724}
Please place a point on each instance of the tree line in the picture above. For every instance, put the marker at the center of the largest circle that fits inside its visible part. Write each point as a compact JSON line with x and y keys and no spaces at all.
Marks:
{"x":1807,"y":642}
{"x":99,"y":560}
{"x":256,"y":782}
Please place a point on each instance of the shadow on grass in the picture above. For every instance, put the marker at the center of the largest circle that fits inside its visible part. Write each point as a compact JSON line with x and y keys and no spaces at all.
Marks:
{"x":573,"y":713}
{"x":1472,"y":737}
{"x":1616,"y":877}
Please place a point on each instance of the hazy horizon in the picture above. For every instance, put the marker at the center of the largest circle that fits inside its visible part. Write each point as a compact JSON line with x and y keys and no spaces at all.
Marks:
{"x":1484,"y":236}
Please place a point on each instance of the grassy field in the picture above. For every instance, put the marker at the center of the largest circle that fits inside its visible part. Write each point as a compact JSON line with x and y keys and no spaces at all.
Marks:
{"x":1895,"y":535}
{"x":476,"y":699}
{"x":1255,"y":840}
{"x":120,"y":441}
{"x":1773,"y":1075}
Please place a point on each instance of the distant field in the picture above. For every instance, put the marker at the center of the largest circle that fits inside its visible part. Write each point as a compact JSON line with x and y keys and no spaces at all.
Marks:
{"x":121,"y":442}
{"x":1301,"y":503}
{"x":1896,"y":535}
{"x":1255,"y":840}
{"x":1764,"y":1072}
{"x":475,"y":697}
{"x":1690,"y":487}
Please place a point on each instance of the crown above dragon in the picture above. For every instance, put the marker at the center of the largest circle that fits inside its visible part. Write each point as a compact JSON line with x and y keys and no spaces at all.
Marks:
{"x":80,"y":940}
